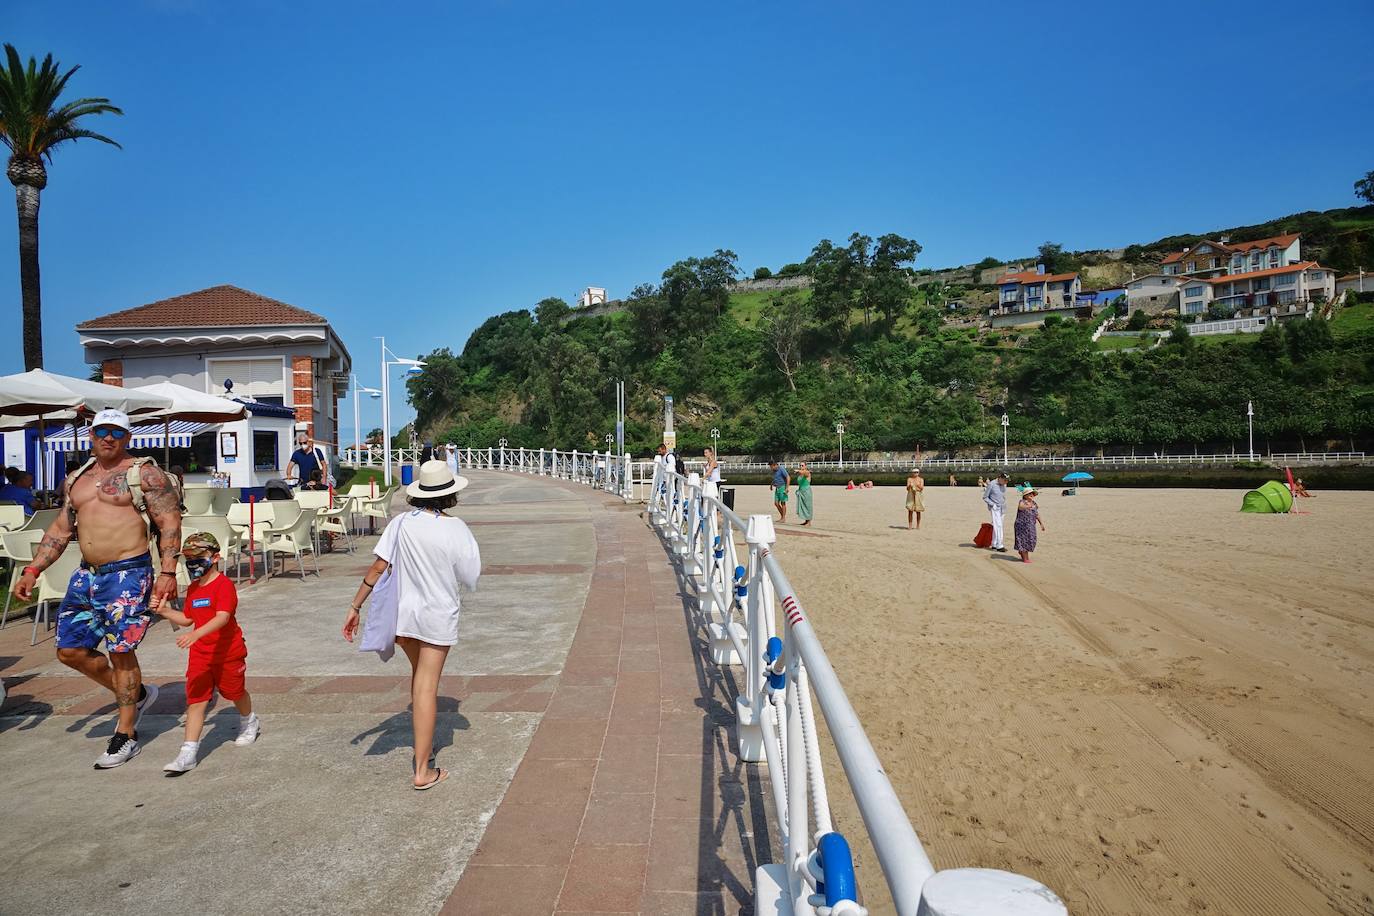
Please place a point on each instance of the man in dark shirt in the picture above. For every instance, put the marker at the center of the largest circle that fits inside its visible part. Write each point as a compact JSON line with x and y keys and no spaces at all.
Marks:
{"x":306,"y":459}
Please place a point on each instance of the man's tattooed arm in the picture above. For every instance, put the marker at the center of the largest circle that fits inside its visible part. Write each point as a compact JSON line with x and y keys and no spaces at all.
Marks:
{"x":55,"y":540}
{"x":164,"y":507}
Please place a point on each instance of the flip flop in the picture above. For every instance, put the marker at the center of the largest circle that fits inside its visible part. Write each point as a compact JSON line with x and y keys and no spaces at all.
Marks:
{"x":442,"y":775}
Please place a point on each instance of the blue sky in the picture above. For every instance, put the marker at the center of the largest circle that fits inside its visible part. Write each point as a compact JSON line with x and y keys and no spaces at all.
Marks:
{"x":412,"y":168}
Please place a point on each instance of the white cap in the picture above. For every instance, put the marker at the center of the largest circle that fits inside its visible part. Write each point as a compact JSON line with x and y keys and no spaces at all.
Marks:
{"x":111,"y":417}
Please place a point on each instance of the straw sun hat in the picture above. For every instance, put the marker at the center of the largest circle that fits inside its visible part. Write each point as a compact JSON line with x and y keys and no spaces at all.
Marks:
{"x":435,"y":480}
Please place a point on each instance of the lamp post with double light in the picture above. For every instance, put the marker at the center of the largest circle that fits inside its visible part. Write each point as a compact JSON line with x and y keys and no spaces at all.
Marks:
{"x":357,"y":389}
{"x":413,"y":366}
{"x":1006,"y":422}
{"x":715,"y":441}
{"x":839,"y":431}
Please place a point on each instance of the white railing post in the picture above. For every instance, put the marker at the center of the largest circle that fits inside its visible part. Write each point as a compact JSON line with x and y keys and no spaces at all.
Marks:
{"x":749,"y":705}
{"x":541,"y":462}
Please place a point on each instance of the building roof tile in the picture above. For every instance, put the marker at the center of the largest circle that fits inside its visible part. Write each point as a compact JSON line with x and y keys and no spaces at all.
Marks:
{"x":218,"y":306}
{"x":1282,"y":241}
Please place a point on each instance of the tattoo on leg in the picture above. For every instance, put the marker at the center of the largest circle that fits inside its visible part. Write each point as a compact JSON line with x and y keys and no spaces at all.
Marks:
{"x":126,"y":693}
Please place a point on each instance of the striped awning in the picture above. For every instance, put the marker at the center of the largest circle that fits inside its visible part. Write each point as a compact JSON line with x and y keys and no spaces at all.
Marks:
{"x":147,"y":435}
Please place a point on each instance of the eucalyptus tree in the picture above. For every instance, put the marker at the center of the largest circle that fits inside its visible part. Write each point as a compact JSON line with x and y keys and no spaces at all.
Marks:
{"x":33,"y":122}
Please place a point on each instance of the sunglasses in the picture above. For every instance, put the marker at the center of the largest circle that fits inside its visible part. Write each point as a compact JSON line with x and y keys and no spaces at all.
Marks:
{"x":113,"y":432}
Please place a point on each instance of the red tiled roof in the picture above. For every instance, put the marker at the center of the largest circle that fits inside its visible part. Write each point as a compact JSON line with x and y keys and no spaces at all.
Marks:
{"x":1282,"y":241}
{"x":1030,"y":276}
{"x":218,"y":306}
{"x":1301,"y":265}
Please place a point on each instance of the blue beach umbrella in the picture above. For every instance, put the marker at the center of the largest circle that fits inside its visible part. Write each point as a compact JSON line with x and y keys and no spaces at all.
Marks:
{"x":1077,"y":476}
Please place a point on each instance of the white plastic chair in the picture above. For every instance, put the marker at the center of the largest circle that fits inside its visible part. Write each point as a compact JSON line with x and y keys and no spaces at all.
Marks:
{"x":197,"y":500}
{"x":335,"y":520}
{"x":11,"y":517}
{"x":221,"y":498}
{"x":293,"y":539}
{"x":52,"y":585}
{"x":18,"y":547}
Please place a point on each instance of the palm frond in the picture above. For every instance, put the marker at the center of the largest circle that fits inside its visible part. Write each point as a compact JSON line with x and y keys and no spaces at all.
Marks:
{"x":32,"y":118}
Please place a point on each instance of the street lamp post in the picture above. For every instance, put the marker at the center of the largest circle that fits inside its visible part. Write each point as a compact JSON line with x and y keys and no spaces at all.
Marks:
{"x":839,"y":430}
{"x":413,"y":365}
{"x":357,"y":432}
{"x":715,"y":441}
{"x":1250,"y":416}
{"x":1006,"y":421}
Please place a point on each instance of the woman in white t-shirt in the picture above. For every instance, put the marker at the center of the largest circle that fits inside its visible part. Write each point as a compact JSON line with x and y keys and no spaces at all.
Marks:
{"x":430,"y":554}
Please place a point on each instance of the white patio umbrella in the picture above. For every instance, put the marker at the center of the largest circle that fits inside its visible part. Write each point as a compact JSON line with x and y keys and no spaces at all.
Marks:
{"x":190,"y":404}
{"x":40,"y":393}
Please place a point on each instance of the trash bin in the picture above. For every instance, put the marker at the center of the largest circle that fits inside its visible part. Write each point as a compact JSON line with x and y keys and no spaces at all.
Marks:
{"x":727,"y":496}
{"x":407,"y":474}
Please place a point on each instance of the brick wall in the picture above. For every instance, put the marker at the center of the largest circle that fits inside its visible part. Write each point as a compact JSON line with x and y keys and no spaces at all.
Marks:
{"x":112,"y":372}
{"x":303,"y":391}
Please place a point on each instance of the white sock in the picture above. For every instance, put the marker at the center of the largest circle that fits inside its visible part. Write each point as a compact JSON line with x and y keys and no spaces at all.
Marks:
{"x":244,"y":720}
{"x":193,"y":745}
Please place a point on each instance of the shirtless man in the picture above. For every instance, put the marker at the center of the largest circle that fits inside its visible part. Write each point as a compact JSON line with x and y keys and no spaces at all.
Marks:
{"x":108,"y":598}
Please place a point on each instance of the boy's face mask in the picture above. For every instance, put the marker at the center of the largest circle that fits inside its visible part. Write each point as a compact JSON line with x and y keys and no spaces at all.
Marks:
{"x":199,"y":566}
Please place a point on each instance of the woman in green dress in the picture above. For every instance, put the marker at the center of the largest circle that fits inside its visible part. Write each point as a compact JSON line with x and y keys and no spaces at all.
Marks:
{"x":804,"y":494}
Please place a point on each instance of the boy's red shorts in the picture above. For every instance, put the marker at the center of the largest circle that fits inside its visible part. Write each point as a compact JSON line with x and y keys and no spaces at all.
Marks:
{"x":204,"y":676}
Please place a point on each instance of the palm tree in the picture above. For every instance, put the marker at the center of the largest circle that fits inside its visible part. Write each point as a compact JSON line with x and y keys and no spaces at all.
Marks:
{"x":32,"y":125}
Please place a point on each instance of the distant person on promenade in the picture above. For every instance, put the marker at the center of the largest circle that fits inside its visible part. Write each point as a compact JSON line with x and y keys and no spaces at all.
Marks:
{"x":1027,"y":518}
{"x":18,"y":488}
{"x":780,"y":481}
{"x":915,"y":497}
{"x":804,"y":507}
{"x":111,"y":501}
{"x":430,"y":554}
{"x":995,"y":498}
{"x":451,"y":458}
{"x":712,"y":471}
{"x":316,"y":481}
{"x":218,"y":658}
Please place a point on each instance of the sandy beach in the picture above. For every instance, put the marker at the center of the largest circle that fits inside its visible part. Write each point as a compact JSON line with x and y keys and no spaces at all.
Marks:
{"x":1170,"y":710}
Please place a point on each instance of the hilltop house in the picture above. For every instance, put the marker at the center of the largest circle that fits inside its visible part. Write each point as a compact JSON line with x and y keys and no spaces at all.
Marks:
{"x":287,"y":363}
{"x":1264,"y":274}
{"x":1029,"y":297}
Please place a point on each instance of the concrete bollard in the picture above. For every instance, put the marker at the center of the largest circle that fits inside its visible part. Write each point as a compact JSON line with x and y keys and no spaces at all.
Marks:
{"x":987,"y":892}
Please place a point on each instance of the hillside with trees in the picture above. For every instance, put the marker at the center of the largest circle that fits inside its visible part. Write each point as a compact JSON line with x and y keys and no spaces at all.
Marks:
{"x":868,"y":344}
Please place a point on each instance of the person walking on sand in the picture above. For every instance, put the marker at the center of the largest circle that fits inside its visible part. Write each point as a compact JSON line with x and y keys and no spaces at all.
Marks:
{"x":780,"y":481}
{"x":915,"y":497}
{"x":430,"y":554}
{"x":1027,"y":517}
{"x":995,"y":498}
{"x":804,"y":510}
{"x":108,"y":597}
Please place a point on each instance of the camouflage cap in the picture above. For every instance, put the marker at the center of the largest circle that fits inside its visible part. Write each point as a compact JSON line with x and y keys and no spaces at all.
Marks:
{"x":201,"y":541}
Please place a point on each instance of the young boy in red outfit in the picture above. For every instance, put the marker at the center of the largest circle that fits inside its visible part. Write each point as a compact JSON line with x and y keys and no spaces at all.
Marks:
{"x":218,"y":654}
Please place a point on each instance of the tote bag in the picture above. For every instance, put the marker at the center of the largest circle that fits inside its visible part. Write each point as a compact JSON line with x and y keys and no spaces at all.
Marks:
{"x":379,"y":627}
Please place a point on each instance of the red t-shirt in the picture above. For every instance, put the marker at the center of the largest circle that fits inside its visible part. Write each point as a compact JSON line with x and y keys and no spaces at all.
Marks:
{"x":202,"y":603}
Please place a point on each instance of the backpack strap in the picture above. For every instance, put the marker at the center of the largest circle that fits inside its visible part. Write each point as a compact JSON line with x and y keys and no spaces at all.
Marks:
{"x":71,"y":478}
{"x":134,"y":476}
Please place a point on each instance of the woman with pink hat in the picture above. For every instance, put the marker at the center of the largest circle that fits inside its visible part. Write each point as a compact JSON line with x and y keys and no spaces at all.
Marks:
{"x":424,"y":555}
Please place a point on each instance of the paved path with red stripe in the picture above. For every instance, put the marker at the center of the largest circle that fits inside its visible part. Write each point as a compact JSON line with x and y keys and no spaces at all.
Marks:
{"x":586,"y":733}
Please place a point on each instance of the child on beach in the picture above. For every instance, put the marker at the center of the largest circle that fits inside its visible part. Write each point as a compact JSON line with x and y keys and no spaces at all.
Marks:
{"x":218,"y":654}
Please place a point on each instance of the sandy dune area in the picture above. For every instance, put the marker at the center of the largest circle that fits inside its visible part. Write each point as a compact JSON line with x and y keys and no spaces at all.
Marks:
{"x":1169,"y":710}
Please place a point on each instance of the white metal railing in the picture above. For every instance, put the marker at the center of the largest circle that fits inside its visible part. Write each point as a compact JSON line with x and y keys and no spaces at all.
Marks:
{"x":739,"y":595}
{"x":1106,"y":461}
{"x":492,"y":458}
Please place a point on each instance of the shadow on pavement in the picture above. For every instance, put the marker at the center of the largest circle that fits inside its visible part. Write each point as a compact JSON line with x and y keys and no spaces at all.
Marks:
{"x":395,"y":732}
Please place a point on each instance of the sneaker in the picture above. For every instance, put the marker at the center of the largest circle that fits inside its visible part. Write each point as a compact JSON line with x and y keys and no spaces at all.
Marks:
{"x":186,"y":759}
{"x":119,"y":751}
{"x":249,"y":729}
{"x":145,"y":702}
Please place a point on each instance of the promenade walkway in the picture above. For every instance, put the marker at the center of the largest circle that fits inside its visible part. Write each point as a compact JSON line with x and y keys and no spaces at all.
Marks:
{"x":587,"y":736}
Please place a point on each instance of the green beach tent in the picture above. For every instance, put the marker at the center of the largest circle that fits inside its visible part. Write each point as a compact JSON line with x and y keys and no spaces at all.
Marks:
{"x":1270,"y":497}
